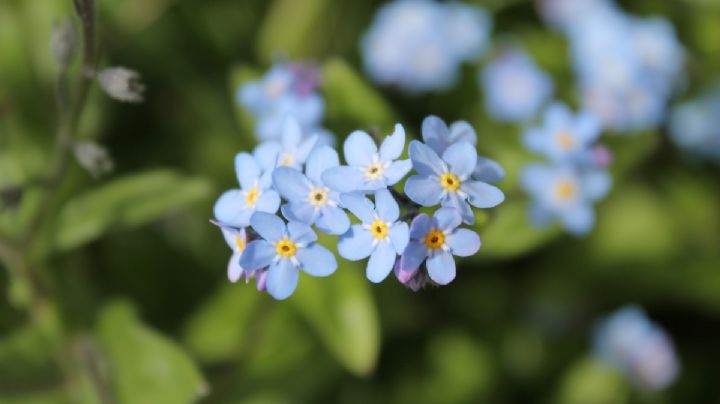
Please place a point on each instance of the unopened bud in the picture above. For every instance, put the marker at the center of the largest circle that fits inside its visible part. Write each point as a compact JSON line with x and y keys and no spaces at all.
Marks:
{"x":63,"y":42}
{"x":121,"y":84}
{"x":93,"y":158}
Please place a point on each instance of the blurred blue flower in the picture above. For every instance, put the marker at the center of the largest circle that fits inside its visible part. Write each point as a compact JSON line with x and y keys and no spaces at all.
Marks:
{"x":565,"y":14}
{"x":380,"y":236}
{"x":418,"y":45}
{"x":369,"y":169}
{"x":564,"y":136}
{"x":284,"y":250}
{"x":515,"y":88}
{"x":565,"y":193}
{"x":438,"y":136}
{"x":235,"y":207}
{"x":628,"y":341}
{"x":695,"y":125}
{"x":436,"y":239}
{"x":309,"y":200}
{"x":447,"y":181}
{"x":290,"y":151}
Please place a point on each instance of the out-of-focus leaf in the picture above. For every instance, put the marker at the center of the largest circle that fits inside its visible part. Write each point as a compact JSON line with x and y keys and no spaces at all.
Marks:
{"x":589,"y":382}
{"x":629,"y":151}
{"x":223,"y":325}
{"x":56,"y":396}
{"x":125,"y":203}
{"x":26,"y":359}
{"x":292,"y":29}
{"x":145,"y":367}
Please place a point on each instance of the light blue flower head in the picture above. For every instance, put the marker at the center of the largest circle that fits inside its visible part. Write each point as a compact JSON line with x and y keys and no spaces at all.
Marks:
{"x":695,"y":126}
{"x":515,"y":88}
{"x":438,"y":136}
{"x":467,"y":29}
{"x":436,"y":240}
{"x":290,"y":151}
{"x":380,"y":236}
{"x":309,"y":200}
{"x":369,"y":169}
{"x":285,"y":250}
{"x":447,"y":180}
{"x":562,"y":192}
{"x":235,"y":207}
{"x":564,"y":136}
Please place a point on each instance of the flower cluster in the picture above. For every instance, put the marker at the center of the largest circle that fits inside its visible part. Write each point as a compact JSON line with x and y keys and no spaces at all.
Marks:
{"x":628,"y":341}
{"x":627,"y":67}
{"x":695,"y":125}
{"x":418,"y":45}
{"x":574,"y":178}
{"x":305,"y":183}
{"x":287,"y":89}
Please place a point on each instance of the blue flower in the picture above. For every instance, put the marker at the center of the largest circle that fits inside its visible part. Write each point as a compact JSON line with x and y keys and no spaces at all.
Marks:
{"x":438,"y":136}
{"x":467,"y":29}
{"x":447,"y":181}
{"x":309,"y":199}
{"x":235,"y":207}
{"x":369,"y":169}
{"x":515,"y":88}
{"x":437,"y":239}
{"x":236,"y":239}
{"x":291,"y":151}
{"x":380,"y":236}
{"x":695,"y":125}
{"x":565,"y":193}
{"x":285,"y":249}
{"x":565,"y":137}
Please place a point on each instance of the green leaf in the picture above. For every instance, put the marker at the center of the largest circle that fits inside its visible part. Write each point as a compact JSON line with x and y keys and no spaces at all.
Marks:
{"x":292,"y":29}
{"x":125,"y":203}
{"x":145,"y":367}
{"x":589,"y":382}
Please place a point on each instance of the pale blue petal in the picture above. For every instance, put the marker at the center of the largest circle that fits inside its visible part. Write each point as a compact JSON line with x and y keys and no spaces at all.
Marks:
{"x":536,"y":140}
{"x":386,"y":206}
{"x":557,"y":116}
{"x":344,"y":179}
{"x":587,"y":127}
{"x":300,"y":212}
{"x":247,"y":170}
{"x":291,"y":133}
{"x":268,"y":226}
{"x":359,"y":149}
{"x":356,"y":244}
{"x":304,"y":149}
{"x":435,"y":133}
{"x":399,"y":236}
{"x":230,"y":209}
{"x":414,"y":254}
{"x":301,"y":233}
{"x":596,"y":184}
{"x":424,"y":159}
{"x":321,"y":158}
{"x":462,"y":131}
{"x":266,"y":154}
{"x":316,"y":260}
{"x":447,"y":219}
{"x":441,"y":268}
{"x":269,"y":201}
{"x":540,"y":215}
{"x":291,"y":184}
{"x":392,"y":147}
{"x":463,"y":242}
{"x":423,"y":190}
{"x":258,"y":254}
{"x":483,"y":195}
{"x":537,"y":178}
{"x":359,"y":205}
{"x":578,"y":219}
{"x":461,"y":157}
{"x":455,"y":202}
{"x":234,"y":269}
{"x":332,"y":220}
{"x":488,"y":171}
{"x":282,"y":279}
{"x":420,"y":226}
{"x":381,"y":262}
{"x":397,"y":170}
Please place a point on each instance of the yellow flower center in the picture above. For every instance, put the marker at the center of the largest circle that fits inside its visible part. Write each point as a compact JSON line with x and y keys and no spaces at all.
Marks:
{"x":239,"y":243}
{"x":565,"y":190}
{"x":565,"y":141}
{"x":285,"y":248}
{"x":374,"y":171}
{"x":286,"y":160}
{"x":252,"y":196}
{"x":379,"y":229}
{"x":450,"y":182}
{"x":434,"y":239}
{"x":318,"y":197}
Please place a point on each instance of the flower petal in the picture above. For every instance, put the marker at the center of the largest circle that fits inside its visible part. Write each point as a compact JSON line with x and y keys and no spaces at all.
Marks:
{"x":344,"y":179}
{"x":386,"y":206}
{"x":482,"y":195}
{"x":301,"y":233}
{"x":396,"y":171}
{"x":462,"y":131}
{"x":356,"y":244}
{"x":420,"y":226}
{"x":487,"y":170}
{"x":435,"y":133}
{"x":332,"y":220}
{"x":291,"y":184}
{"x":247,"y":170}
{"x":230,"y":209}
{"x":392,"y":147}
{"x":269,"y":201}
{"x":381,"y":262}
{"x":414,"y":254}
{"x":596,"y":184}
{"x":441,"y":268}
{"x":268,"y":226}
{"x":424,"y":159}
{"x":257,"y":255}
{"x":300,"y":212}
{"x":455,"y":202}
{"x":316,"y":260}
{"x":359,"y":149}
{"x":304,"y":149}
{"x":399,"y":236}
{"x":266,"y":154}
{"x":579,"y":219}
{"x":234,"y":269}
{"x":463,"y":242}
{"x":461,"y":158}
{"x":359,"y":205}
{"x":291,"y":133}
{"x":321,"y":158}
{"x":423,"y":190}
{"x":447,"y":219}
{"x":282,"y":279}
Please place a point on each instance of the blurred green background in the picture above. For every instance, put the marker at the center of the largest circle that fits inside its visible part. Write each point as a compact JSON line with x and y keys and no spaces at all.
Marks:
{"x":121,"y":295}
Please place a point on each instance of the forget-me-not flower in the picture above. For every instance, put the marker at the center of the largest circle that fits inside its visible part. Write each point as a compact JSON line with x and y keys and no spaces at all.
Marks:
{"x":369,"y":169}
{"x":235,"y":207}
{"x":309,"y":200}
{"x":695,"y":125}
{"x":285,"y":249}
{"x":291,"y":151}
{"x":438,"y":136}
{"x":380,"y":235}
{"x":437,"y":239}
{"x":237,"y":240}
{"x":447,"y":180}
{"x":565,"y":193}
